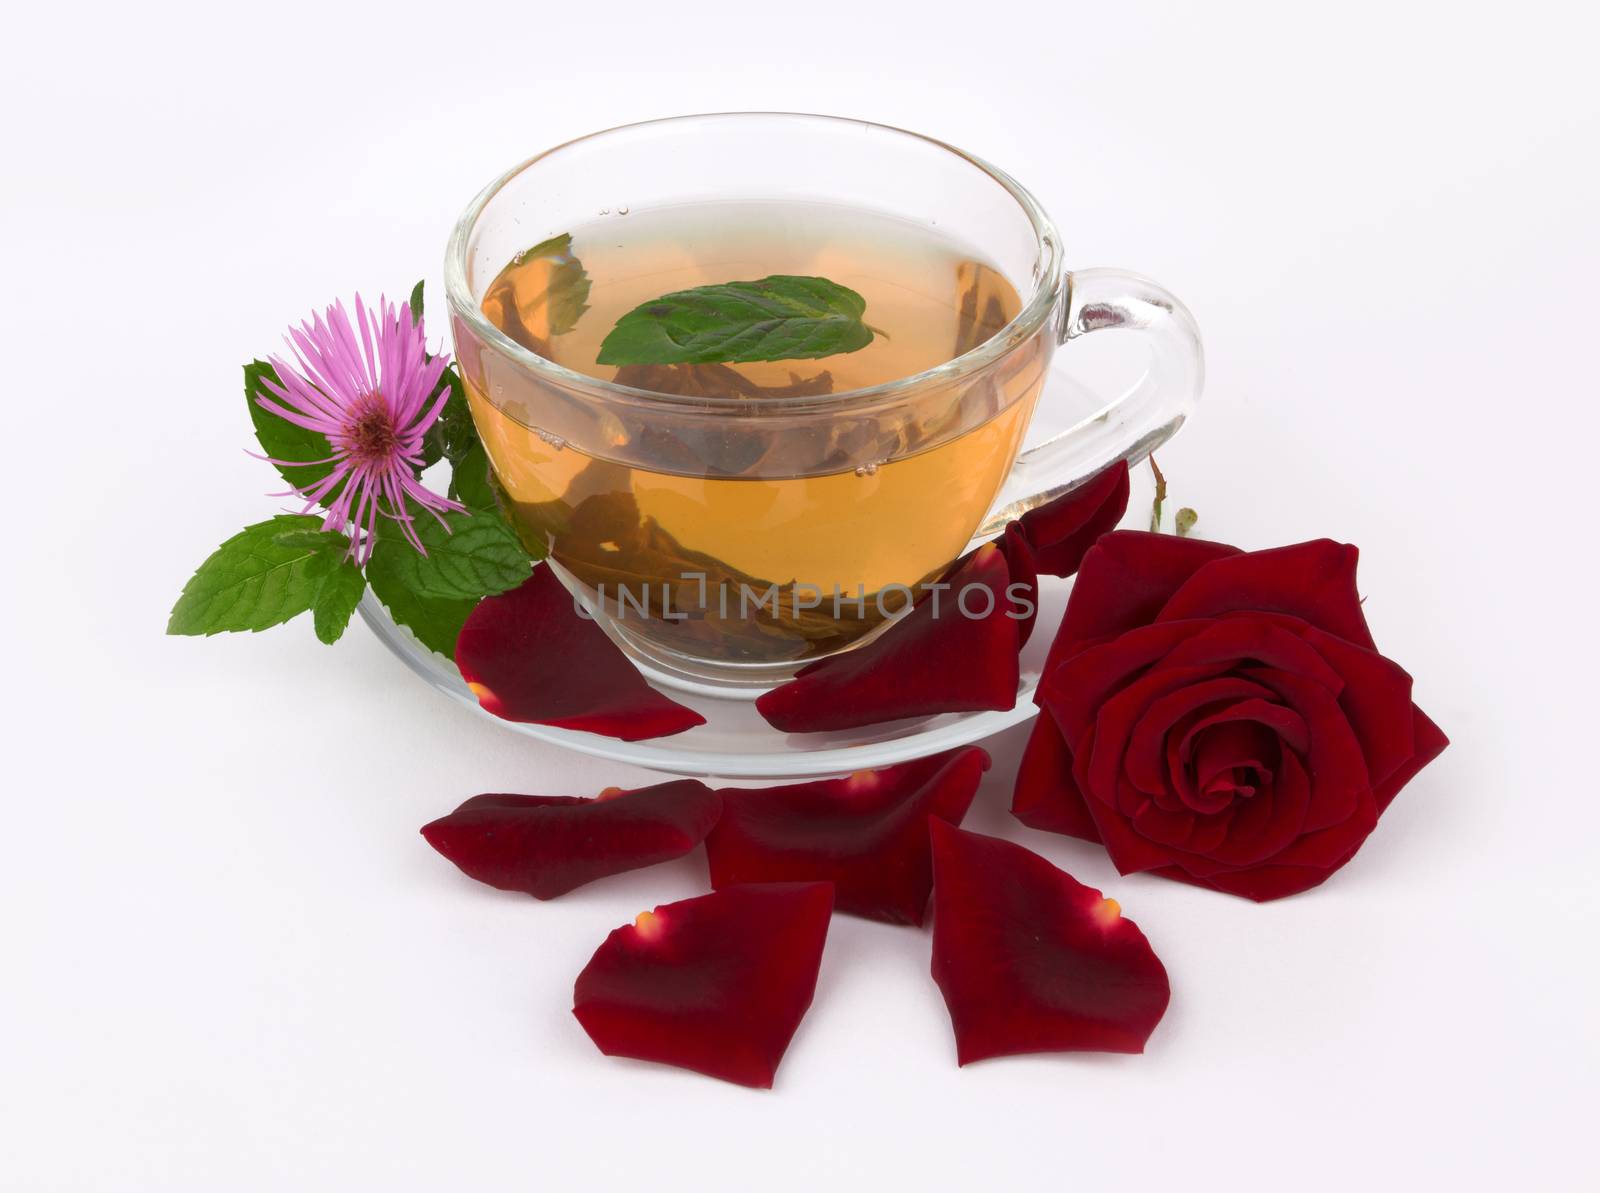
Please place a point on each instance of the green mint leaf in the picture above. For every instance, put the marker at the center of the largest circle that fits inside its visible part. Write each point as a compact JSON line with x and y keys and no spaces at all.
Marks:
{"x":777,"y":318}
{"x":469,"y":479}
{"x":543,"y":292}
{"x":282,"y":440}
{"x":566,"y":297}
{"x":452,"y":433}
{"x":336,"y":599}
{"x":436,"y":623}
{"x":252,"y":581}
{"x":416,"y":302}
{"x":313,"y":540}
{"x":478,"y":555}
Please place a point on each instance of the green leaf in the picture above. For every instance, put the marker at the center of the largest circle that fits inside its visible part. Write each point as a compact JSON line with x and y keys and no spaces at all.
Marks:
{"x":777,"y":318}
{"x":336,"y":599}
{"x":252,"y":581}
{"x":313,"y":540}
{"x":476,"y":556}
{"x":567,"y":294}
{"x":452,"y":434}
{"x":281,"y":440}
{"x":416,"y":302}
{"x":436,"y":623}
{"x":469,"y":479}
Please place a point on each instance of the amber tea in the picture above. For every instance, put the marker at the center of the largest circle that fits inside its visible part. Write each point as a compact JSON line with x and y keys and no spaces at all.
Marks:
{"x":764,"y":539}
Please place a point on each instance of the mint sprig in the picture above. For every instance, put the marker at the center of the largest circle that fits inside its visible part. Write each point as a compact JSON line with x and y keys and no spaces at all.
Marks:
{"x":275,"y":570}
{"x":783,"y":317}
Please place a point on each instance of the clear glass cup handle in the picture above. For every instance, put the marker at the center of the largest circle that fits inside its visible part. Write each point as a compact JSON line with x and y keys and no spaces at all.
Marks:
{"x":1131,"y":426}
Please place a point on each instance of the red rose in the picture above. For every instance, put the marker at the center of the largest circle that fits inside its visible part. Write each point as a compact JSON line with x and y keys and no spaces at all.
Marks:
{"x":1220,"y":717}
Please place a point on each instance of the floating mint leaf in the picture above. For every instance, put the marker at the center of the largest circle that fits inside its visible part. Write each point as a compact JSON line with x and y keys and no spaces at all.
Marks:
{"x":567,"y":295}
{"x":282,"y":441}
{"x":543,"y":292}
{"x":252,"y":581}
{"x":336,"y":600}
{"x":777,"y":318}
{"x":416,"y":302}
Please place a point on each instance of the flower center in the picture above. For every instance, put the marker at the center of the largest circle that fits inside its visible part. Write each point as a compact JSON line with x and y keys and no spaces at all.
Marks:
{"x":371,"y":431}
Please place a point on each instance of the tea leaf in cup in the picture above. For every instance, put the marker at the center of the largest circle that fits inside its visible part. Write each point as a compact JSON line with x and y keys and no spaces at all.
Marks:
{"x":782,"y":317}
{"x":542,"y":293}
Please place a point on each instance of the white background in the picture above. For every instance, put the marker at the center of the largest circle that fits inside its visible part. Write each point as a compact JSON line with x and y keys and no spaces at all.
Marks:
{"x":229,"y":961}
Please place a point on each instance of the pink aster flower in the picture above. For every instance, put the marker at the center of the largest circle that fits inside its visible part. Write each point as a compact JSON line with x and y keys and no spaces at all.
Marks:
{"x":372,"y":401}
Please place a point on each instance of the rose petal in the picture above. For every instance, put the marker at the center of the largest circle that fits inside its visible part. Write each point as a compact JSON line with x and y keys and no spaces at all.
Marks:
{"x":936,"y":659}
{"x":1430,"y":743}
{"x":529,"y":656}
{"x":545,"y":845}
{"x":1030,"y":960}
{"x":1046,"y":796}
{"x":1125,"y":580}
{"x":1334,"y":761}
{"x":1060,"y":531}
{"x":1260,"y":884}
{"x":1146,"y":756}
{"x":1243,"y":638}
{"x":1024,"y":583}
{"x":1376,"y":697}
{"x":1315,"y":581}
{"x":867,"y":834}
{"x":717,"y":984}
{"x":1075,"y":690}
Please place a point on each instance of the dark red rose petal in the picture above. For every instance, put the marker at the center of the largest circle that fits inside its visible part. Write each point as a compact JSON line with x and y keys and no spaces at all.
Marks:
{"x":1062,"y":530}
{"x":924,"y":664}
{"x":1024,"y":583}
{"x":1125,"y":580}
{"x":1031,"y":960}
{"x":1314,"y":581}
{"x":545,"y":845}
{"x":1046,"y":795}
{"x":716,"y":984}
{"x":1430,"y":743}
{"x":529,"y":656}
{"x":867,"y":834}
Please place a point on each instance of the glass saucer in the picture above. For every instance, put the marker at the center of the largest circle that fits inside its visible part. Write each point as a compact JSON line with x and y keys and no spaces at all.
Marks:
{"x":735,"y":743}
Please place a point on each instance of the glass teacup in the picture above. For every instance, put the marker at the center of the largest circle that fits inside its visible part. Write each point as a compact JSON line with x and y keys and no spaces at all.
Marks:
{"x":729,"y":527}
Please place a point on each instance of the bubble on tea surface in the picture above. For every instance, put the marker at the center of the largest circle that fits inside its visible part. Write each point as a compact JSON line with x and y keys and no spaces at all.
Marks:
{"x":550,"y":437}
